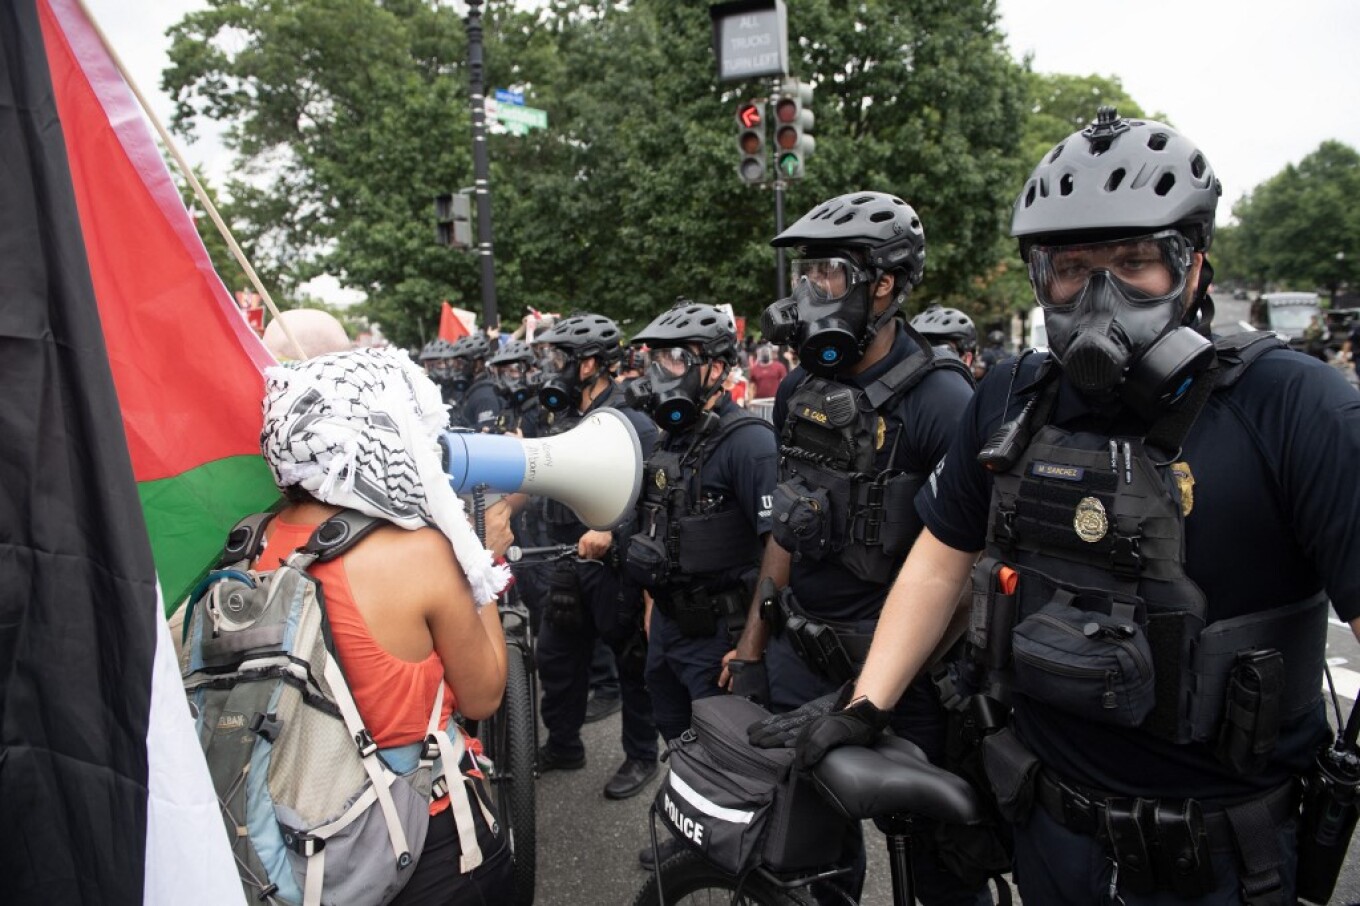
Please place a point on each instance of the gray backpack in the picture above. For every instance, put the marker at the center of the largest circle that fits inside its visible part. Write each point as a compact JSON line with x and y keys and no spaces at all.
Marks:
{"x":315,"y":811}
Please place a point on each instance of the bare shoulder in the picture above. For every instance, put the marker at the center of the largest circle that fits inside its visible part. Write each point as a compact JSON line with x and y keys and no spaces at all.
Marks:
{"x":415,"y":565}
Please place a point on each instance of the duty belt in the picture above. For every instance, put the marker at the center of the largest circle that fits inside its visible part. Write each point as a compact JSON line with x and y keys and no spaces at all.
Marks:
{"x":697,"y":611}
{"x":834,"y":649}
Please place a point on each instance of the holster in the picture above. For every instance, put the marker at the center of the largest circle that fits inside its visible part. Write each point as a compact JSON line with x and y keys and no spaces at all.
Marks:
{"x":1183,"y":860}
{"x":1251,"y":712}
{"x":750,"y":680}
{"x":816,"y":643}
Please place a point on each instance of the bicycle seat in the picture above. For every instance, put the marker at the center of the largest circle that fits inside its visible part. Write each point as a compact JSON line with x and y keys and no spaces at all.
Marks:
{"x":894,"y":777}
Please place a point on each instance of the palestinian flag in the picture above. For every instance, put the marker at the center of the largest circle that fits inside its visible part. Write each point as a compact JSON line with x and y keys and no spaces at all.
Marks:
{"x":130,"y":385}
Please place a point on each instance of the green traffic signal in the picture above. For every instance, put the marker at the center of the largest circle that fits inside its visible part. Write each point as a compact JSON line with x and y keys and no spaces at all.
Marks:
{"x":791,"y":165}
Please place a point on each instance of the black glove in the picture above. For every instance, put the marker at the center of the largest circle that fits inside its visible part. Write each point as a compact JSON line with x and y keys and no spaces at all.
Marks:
{"x":858,"y":723}
{"x":564,"y":598}
{"x":751,"y":681}
{"x":779,"y":731}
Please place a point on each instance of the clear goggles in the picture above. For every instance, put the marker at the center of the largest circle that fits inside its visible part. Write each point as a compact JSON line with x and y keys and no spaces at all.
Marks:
{"x":508,"y":370}
{"x":554,"y":358}
{"x":1149,"y":269}
{"x":675,"y":360}
{"x":834,"y":276}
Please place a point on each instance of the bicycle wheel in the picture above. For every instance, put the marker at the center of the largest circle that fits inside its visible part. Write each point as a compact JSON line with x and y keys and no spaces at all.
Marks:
{"x":688,"y":880}
{"x":512,"y":753}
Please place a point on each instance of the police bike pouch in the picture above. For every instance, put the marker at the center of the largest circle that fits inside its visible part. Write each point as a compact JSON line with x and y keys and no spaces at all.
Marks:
{"x":740,"y":806}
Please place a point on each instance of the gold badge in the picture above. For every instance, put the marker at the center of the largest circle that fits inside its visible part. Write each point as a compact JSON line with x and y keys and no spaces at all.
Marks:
{"x":1090,"y":521}
{"x":661,"y":479}
{"x":880,"y":432}
{"x":1185,"y":480}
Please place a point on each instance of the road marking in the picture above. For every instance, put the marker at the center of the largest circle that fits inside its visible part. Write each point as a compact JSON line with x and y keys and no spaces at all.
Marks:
{"x":1347,"y":683}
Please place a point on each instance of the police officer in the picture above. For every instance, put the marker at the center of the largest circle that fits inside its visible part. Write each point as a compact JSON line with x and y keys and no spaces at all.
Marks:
{"x":436,"y":358}
{"x":862,"y":422}
{"x":511,"y":371}
{"x":1170,"y":514}
{"x":948,"y":328}
{"x":704,"y":511}
{"x":589,"y":600}
{"x":478,"y":404}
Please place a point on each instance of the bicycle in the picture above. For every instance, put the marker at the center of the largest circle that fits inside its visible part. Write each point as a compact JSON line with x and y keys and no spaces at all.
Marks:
{"x":889,"y":783}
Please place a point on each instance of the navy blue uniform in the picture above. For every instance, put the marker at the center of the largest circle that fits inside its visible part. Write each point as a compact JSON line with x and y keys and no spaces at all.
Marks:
{"x":480,"y":405}
{"x":921,"y":430}
{"x":740,"y":471}
{"x":1275,"y":518}
{"x":564,"y":655}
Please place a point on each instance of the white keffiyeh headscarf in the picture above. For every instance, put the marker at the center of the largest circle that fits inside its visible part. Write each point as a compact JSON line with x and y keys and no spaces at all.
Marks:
{"x":360,"y":429}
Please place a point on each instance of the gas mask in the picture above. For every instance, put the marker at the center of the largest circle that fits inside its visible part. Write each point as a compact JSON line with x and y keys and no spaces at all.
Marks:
{"x":827,"y":317}
{"x":560,"y":386}
{"x":672,"y":389}
{"x":1113,"y":311}
{"x":513,"y":383}
{"x":460,"y":375}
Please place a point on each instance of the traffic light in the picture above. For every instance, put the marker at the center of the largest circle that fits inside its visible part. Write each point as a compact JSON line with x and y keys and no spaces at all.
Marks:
{"x":792,"y":123}
{"x":453,"y":221}
{"x":751,"y":143}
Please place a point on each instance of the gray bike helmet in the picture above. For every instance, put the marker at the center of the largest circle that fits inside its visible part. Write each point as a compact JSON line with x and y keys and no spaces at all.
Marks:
{"x":584,"y":336}
{"x":883,"y":225}
{"x":941,"y":325}
{"x":690,"y":322}
{"x":438,"y":348}
{"x":472,"y":346}
{"x":511,"y":352}
{"x":1119,"y":176}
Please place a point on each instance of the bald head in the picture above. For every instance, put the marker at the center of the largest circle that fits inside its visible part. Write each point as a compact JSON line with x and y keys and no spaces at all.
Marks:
{"x":318,"y":332}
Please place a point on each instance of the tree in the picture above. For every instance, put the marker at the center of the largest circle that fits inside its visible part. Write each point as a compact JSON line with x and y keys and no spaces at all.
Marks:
{"x":1300,"y":229}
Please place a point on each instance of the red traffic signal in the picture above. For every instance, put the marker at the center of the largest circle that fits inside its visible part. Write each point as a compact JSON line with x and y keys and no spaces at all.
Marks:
{"x":751,"y":142}
{"x":748,"y":115}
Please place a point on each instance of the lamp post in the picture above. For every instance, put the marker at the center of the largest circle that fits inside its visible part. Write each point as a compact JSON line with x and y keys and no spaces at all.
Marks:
{"x":481,"y":168}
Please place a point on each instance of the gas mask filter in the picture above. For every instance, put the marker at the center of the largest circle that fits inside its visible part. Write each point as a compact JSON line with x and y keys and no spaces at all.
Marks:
{"x":560,"y":387}
{"x":826,"y":318}
{"x":672,"y":389}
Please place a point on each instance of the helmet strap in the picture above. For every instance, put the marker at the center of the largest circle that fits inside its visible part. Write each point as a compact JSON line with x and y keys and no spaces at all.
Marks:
{"x":1200,"y":314}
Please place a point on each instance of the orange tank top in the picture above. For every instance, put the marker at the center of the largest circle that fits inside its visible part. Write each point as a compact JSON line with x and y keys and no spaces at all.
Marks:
{"x":393,"y":696}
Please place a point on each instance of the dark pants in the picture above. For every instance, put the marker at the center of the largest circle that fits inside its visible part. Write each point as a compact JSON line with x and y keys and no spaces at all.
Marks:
{"x":1058,"y":866}
{"x":604,"y":673}
{"x":436,"y":880}
{"x":564,"y":658}
{"x":920,"y":718}
{"x":681,"y":670}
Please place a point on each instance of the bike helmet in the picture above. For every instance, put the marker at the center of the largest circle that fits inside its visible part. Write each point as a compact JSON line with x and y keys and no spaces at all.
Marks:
{"x":947,"y":325}
{"x":472,"y":346}
{"x":438,"y":348}
{"x":1119,"y":176}
{"x":884,"y":226}
{"x":690,"y":322}
{"x":511,"y":352}
{"x":584,"y":336}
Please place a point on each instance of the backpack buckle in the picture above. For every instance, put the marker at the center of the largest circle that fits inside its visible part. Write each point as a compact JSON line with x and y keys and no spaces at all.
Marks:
{"x":429,"y":749}
{"x":304,"y":845}
{"x":364,"y":740}
{"x":266,"y":726}
{"x":440,"y":788}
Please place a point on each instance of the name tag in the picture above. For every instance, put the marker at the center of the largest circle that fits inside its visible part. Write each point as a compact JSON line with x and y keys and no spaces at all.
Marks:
{"x":1054,"y":470}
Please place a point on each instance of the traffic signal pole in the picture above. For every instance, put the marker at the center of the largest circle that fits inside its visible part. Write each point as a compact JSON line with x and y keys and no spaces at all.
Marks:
{"x":481,"y":167}
{"x":781,"y":284}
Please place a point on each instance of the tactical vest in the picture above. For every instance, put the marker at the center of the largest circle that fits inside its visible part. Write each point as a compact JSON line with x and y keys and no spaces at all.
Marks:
{"x":832,"y":502}
{"x":561,"y":524}
{"x":684,"y":536}
{"x":1081,"y":600}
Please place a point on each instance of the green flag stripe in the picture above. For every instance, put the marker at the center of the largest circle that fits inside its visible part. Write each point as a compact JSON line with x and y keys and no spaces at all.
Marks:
{"x":188,"y":516}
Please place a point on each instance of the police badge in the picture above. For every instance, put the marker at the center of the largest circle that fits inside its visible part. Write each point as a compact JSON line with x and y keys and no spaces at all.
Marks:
{"x":1185,"y":481}
{"x":1089,"y":520}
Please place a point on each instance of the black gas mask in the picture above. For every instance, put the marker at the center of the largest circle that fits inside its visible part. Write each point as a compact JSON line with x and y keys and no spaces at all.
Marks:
{"x":513,"y":383}
{"x":460,"y":374}
{"x":672,"y":388}
{"x":1114,"y":316}
{"x":560,"y":385}
{"x":827,"y":317}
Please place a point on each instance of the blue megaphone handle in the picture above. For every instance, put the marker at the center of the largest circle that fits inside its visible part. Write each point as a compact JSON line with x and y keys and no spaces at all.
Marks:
{"x":499,"y":462}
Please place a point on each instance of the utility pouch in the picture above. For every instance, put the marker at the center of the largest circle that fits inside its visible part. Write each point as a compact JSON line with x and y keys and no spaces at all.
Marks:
{"x":993,"y":614}
{"x":1013,"y":771}
{"x":1251,"y":711}
{"x":802,"y":519}
{"x":1087,"y":663}
{"x":694,"y":614}
{"x":564,"y":597}
{"x":1125,"y":820}
{"x":1183,"y":860}
{"x":817,"y":645}
{"x":647,"y":563}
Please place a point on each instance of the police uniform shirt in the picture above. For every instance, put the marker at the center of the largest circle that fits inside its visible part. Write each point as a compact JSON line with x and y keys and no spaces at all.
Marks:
{"x":930,"y":413}
{"x":739,"y":471}
{"x":1274,"y":517}
{"x":481,"y":404}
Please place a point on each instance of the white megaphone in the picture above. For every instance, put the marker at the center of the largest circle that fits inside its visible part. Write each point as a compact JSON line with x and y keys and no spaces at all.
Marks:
{"x":595,"y":468}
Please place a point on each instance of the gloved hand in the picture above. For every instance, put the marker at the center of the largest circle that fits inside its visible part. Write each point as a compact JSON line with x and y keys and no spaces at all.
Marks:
{"x":780,"y":731}
{"x":857,"y":724}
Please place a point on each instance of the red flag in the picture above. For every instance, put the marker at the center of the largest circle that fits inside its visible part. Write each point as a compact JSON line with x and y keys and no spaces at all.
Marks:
{"x":450,"y":328}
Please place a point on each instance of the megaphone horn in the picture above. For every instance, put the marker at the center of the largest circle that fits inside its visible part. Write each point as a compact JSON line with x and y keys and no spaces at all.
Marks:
{"x":595,"y":468}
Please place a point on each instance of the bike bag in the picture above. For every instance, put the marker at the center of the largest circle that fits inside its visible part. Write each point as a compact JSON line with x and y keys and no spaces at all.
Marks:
{"x":741,"y":806}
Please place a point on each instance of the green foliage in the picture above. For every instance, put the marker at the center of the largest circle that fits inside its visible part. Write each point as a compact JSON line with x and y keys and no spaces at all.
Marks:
{"x":1300,"y":229}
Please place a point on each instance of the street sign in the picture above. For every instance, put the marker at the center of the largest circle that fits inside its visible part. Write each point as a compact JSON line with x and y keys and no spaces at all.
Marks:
{"x":515,"y":119}
{"x":510,"y":96}
{"x":750,"y":39}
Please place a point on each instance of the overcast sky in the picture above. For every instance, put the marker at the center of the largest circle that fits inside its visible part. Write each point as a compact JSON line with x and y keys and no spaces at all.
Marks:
{"x":1256,"y":85}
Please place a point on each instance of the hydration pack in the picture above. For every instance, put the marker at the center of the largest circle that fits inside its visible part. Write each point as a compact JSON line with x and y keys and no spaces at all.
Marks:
{"x":315,"y":811}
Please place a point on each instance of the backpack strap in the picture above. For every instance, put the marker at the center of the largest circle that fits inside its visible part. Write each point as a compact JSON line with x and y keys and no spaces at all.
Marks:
{"x":1238,"y":351}
{"x":909,"y":372}
{"x":340,"y":533}
{"x":244,"y":542}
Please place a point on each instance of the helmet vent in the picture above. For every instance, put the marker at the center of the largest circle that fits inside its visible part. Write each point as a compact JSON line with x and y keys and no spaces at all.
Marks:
{"x":1043,"y":187}
{"x":863,"y":199}
{"x":1056,"y":151}
{"x":1165,"y":184}
{"x":1157,"y":141}
{"x":1065,"y":184}
{"x":1029,"y":195}
{"x":844,"y":218}
{"x":1115,"y":179}
{"x":880,"y":216}
{"x":1197,"y":165}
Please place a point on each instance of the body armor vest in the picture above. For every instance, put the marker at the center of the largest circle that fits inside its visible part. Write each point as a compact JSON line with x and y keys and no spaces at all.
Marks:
{"x":684,"y":536}
{"x":1081,"y":600}
{"x":832,"y":501}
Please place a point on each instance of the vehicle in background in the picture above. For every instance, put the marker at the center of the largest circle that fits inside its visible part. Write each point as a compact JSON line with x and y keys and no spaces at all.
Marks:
{"x":1289,"y":314}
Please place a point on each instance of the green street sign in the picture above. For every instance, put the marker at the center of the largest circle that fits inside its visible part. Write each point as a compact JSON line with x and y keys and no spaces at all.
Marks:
{"x":525,"y":118}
